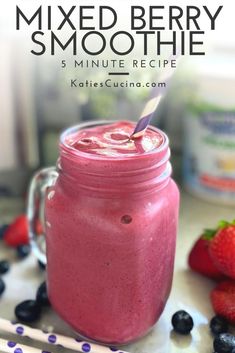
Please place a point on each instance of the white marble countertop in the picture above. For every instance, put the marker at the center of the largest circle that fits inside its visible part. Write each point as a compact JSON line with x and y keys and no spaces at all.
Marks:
{"x":190,"y":291}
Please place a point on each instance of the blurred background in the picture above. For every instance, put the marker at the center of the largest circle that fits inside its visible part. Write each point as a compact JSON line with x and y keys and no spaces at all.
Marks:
{"x":198,"y":112}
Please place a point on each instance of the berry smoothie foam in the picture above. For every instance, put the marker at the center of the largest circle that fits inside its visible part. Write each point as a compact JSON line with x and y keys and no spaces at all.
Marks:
{"x":111,"y":221}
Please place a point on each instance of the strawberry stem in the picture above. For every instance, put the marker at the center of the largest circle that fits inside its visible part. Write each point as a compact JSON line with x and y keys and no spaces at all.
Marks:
{"x":223,"y":224}
{"x":208,"y":234}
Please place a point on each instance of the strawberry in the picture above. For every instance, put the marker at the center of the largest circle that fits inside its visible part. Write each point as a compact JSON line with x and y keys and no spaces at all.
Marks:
{"x":222,"y":248}
{"x":199,"y":259}
{"x":223,"y":300}
{"x":17,"y":232}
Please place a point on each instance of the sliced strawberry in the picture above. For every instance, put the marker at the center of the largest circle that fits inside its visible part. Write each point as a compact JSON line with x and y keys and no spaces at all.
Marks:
{"x":200,"y":261}
{"x":222,"y":249}
{"x":223,"y":300}
{"x":17,"y":232}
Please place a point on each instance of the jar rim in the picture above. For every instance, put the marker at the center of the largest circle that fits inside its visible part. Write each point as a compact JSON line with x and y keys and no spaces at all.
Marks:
{"x":94,"y":123}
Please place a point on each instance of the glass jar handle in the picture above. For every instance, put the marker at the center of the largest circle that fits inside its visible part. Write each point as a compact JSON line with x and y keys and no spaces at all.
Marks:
{"x":35,"y":209}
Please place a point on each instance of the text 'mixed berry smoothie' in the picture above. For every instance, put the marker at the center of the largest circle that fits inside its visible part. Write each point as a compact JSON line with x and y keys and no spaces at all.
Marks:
{"x":111,"y":221}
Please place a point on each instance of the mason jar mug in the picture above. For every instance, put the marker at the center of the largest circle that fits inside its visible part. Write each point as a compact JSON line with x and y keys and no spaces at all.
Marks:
{"x":110,"y":226}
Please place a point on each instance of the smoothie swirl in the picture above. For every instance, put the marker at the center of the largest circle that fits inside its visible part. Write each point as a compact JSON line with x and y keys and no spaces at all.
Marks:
{"x":114,"y":140}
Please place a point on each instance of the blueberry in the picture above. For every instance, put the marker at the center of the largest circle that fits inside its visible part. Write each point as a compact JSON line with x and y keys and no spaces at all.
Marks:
{"x":3,"y":228}
{"x":41,"y":296}
{"x":28,"y":311}
{"x":23,"y":251}
{"x":4,"y":266}
{"x":2,"y":286}
{"x":218,"y":325}
{"x":182,"y":322}
{"x":224,"y":343}
{"x":41,"y":265}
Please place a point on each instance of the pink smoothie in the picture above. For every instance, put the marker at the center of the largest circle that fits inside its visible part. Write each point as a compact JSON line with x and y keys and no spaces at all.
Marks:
{"x":111,"y":228}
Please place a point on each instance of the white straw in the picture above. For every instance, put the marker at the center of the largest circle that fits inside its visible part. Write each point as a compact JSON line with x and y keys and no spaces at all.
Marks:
{"x":13,"y":347}
{"x":54,"y":338}
{"x":156,"y":95}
